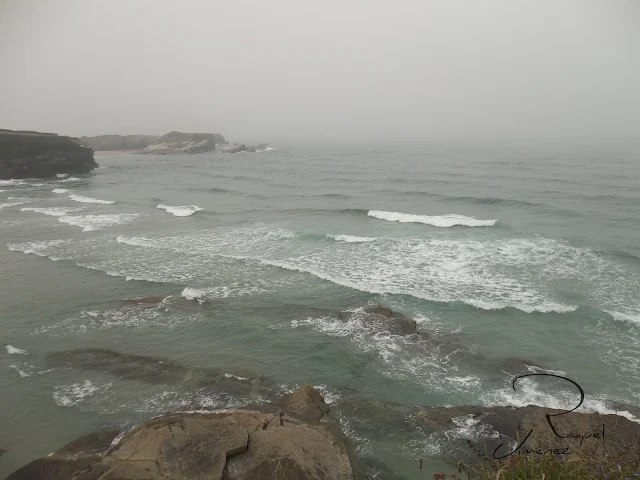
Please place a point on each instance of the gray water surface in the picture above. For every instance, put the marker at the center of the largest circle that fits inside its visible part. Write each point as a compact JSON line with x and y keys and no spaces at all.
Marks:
{"x":287,"y":238}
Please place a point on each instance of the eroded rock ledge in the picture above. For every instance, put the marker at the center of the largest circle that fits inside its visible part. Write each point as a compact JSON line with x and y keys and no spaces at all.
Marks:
{"x":291,"y":438}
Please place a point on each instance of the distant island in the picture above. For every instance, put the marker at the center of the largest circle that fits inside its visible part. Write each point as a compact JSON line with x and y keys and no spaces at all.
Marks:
{"x":168,"y":144}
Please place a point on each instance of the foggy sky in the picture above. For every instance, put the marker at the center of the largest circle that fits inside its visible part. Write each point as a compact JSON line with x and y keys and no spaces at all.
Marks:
{"x":275,"y":69}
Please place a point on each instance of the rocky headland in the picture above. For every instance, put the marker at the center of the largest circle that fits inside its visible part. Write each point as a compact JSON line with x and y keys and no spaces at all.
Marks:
{"x":27,"y":154}
{"x":168,"y":144}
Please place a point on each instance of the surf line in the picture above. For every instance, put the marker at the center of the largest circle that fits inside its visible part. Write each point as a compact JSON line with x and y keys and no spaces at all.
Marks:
{"x":555,"y":451}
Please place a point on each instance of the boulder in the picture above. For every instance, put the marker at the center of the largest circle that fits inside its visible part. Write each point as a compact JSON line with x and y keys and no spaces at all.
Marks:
{"x":385,"y":319}
{"x":42,"y":155}
{"x":270,"y":443}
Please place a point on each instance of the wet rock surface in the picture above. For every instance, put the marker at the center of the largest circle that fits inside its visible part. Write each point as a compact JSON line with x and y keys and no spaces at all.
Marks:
{"x":384,"y":318}
{"x":292,"y":438}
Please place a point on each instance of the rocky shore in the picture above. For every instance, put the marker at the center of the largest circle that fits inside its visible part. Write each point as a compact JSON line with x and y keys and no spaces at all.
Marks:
{"x":291,"y":438}
{"x":26,"y":154}
{"x":168,"y":144}
{"x":297,"y":436}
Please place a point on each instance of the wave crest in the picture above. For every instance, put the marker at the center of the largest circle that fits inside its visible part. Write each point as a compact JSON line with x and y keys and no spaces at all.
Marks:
{"x":443,"y":221}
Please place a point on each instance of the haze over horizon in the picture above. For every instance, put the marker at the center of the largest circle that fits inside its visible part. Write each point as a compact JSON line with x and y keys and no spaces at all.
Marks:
{"x":345,"y":70}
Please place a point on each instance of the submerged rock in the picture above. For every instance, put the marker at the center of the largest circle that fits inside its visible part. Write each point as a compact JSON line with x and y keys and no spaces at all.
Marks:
{"x":385,"y":319}
{"x":286,"y":440}
{"x":144,"y":301}
{"x":42,"y":155}
{"x":154,"y":370}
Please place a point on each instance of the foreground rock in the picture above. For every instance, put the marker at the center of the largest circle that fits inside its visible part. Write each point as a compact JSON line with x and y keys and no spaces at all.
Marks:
{"x":292,"y":439}
{"x":42,"y":155}
{"x":384,"y":318}
{"x":170,"y":143}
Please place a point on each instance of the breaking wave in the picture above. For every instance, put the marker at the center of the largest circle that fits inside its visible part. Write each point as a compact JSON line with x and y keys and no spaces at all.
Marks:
{"x":79,"y":198}
{"x":180,"y":210}
{"x":444,"y":221}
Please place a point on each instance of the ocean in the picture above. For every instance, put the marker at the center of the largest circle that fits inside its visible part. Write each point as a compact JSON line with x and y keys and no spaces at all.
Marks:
{"x":512,"y":258}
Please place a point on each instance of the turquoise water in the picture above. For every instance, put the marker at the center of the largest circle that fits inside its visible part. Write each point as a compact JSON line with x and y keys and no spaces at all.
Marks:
{"x":538,"y":269}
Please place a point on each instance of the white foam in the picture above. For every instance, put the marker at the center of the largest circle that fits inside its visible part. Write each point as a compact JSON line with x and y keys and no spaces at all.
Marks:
{"x":40,"y":248}
{"x":90,"y":223}
{"x":400,"y":357}
{"x":180,"y":210}
{"x":79,"y":198}
{"x":436,"y":221}
{"x":60,"y":190}
{"x":529,"y":393}
{"x":235,"y":289}
{"x":237,"y":377}
{"x":12,"y":182}
{"x":62,"y":175}
{"x":12,"y":204}
{"x":625,"y":317}
{"x":77,"y":393}
{"x":52,"y":211}
{"x":72,"y":179}
{"x":351,"y":238}
{"x":21,"y":372}
{"x":545,"y":307}
{"x":11,"y":350}
{"x":162,"y":316}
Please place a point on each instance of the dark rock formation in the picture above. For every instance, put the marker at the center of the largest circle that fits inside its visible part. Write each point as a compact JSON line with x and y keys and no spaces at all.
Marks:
{"x":42,"y":155}
{"x":169,"y":143}
{"x":385,"y":319}
{"x":291,"y":439}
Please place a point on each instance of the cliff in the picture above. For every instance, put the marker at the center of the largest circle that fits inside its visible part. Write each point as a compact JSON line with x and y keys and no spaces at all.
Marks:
{"x":292,"y":438}
{"x":172,"y":142}
{"x":42,"y":155}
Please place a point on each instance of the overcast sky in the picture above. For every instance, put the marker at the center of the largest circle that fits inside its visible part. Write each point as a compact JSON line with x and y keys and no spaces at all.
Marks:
{"x":272,"y":69}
